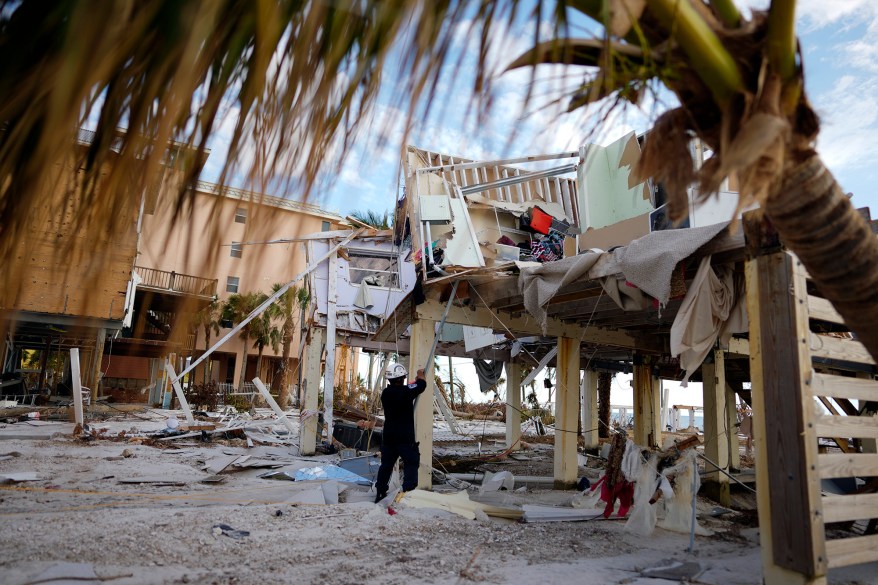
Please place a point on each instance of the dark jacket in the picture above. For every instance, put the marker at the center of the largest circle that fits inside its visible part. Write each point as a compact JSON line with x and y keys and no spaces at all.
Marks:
{"x":399,"y":412}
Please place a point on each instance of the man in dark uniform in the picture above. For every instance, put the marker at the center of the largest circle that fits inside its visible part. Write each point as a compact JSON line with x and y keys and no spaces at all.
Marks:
{"x":398,"y":438}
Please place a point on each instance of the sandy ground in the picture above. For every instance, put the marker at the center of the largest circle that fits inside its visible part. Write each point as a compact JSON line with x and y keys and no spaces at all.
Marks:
{"x":78,"y":520}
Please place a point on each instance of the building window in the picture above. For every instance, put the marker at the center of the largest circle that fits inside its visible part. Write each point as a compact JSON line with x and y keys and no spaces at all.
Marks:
{"x":325,"y":227}
{"x":241,"y":215}
{"x":232,"y":283}
{"x":237,"y":249}
{"x":373,"y":269}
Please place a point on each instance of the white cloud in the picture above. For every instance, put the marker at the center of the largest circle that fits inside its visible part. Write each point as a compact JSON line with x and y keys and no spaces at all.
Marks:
{"x":850,"y":121}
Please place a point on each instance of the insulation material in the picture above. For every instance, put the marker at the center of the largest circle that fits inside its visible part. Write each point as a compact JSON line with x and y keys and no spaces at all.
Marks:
{"x":643,"y":517}
{"x":649,"y":262}
{"x":678,"y":510}
{"x":363,"y":300}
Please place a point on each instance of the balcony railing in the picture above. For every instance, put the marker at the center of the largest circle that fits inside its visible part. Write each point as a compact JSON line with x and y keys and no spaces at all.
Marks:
{"x":176,"y":282}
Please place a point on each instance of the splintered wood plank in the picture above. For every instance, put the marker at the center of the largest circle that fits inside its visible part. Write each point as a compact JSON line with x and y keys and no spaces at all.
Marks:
{"x":852,"y":551}
{"x":846,"y":350}
{"x":843,"y":387}
{"x":822,"y":310}
{"x":847,"y":465}
{"x":861,"y":427}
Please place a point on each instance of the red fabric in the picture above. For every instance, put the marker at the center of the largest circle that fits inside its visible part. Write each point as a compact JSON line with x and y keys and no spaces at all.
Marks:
{"x":540,"y":220}
{"x":622,"y":491}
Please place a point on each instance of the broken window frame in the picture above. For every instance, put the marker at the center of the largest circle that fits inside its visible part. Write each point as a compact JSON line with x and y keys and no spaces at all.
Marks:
{"x":394,"y":271}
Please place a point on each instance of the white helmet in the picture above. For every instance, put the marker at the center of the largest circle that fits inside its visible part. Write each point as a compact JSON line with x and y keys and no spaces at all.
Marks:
{"x":395,"y":370}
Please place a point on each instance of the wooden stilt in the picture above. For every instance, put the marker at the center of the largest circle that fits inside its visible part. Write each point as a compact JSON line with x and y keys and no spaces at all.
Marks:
{"x":513,"y":405}
{"x":647,"y":404}
{"x":566,"y":413}
{"x":422,"y":334}
{"x":590,"y":408}
{"x":717,"y":432}
{"x":308,"y":430}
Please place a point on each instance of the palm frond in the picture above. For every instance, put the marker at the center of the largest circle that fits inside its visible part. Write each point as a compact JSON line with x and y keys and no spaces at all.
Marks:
{"x":375,"y":219}
{"x":300,"y":76}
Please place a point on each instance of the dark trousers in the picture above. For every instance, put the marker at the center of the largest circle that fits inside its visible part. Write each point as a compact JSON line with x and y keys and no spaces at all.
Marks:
{"x":411,"y":458}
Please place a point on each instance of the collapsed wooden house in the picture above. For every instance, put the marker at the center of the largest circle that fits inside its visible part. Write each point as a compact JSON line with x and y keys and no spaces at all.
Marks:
{"x":480,"y":265}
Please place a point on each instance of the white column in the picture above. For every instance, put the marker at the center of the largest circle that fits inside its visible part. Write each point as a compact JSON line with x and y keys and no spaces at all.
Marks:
{"x":590,"y":423}
{"x":566,"y":412}
{"x":513,"y":405}
{"x":308,"y":430}
{"x":420,"y":342}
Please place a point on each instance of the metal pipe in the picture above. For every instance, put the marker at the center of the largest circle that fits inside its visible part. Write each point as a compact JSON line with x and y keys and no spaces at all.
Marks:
{"x":519,"y":179}
{"x":507,"y":161}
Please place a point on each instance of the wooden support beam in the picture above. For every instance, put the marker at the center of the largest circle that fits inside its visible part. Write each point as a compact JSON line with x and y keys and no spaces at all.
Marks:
{"x":527,"y":325}
{"x":178,"y":390}
{"x":167,"y":388}
{"x":308,"y":430}
{"x":95,"y":376}
{"x":269,"y":400}
{"x":788,"y":490}
{"x":77,"y":387}
{"x":590,"y":408}
{"x":647,"y":404}
{"x":717,"y":432}
{"x":732,"y":414}
{"x":566,"y":413}
{"x":422,"y":334}
{"x":329,"y":372}
{"x":513,"y":405}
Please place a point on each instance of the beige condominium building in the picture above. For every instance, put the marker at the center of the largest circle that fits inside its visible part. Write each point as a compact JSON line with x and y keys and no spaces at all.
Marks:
{"x":227,"y":241}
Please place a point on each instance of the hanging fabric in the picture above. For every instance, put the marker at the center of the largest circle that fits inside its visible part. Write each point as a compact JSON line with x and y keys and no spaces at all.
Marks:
{"x":489,"y":373}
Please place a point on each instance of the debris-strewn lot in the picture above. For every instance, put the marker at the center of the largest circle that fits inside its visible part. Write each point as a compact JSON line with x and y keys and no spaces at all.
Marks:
{"x":82,"y":519}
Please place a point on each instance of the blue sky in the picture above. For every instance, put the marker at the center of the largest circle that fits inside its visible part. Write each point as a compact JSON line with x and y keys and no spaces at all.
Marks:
{"x":840,"y":45}
{"x":840,"y":48}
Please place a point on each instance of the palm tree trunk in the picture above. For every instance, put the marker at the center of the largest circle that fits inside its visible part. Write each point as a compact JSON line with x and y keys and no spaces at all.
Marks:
{"x":259,"y":361}
{"x":605,"y":381}
{"x":243,"y":377}
{"x":206,"y":347}
{"x":287,"y":361}
{"x":819,"y":224}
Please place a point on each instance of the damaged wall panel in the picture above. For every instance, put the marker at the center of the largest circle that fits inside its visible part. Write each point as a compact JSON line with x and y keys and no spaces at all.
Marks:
{"x":606,"y":196}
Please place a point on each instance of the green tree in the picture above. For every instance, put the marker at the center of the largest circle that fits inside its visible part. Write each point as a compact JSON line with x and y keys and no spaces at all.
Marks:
{"x":376,"y":219}
{"x":208,"y":319}
{"x":265,"y":333}
{"x":313,"y":71}
{"x":288,"y":309}
{"x":235,"y":309}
